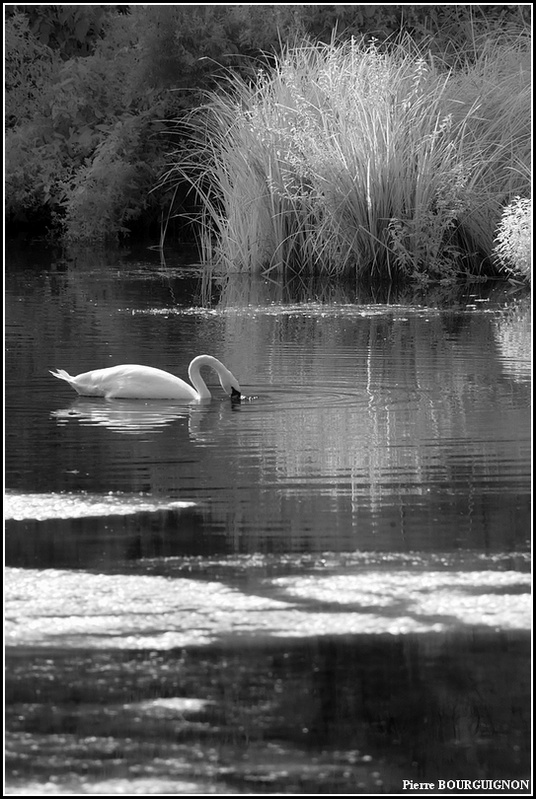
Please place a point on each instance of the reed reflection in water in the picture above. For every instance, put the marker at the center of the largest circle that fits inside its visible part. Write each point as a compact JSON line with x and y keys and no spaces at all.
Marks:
{"x":386,"y":426}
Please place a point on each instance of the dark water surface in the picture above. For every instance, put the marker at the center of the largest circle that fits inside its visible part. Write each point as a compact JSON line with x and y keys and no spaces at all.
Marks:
{"x":324,"y":588}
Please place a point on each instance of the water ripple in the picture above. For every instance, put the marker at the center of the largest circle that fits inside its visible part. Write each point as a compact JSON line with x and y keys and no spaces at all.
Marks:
{"x":129,"y":417}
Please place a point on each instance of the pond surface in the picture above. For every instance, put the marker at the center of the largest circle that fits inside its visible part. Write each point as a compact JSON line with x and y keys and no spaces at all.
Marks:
{"x":323,"y":588}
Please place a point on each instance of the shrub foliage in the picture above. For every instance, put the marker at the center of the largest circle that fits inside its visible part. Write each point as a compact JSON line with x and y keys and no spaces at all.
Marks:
{"x":90,"y":92}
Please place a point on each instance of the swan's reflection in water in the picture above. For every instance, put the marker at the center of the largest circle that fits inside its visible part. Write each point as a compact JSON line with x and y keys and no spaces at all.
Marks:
{"x":130,"y":417}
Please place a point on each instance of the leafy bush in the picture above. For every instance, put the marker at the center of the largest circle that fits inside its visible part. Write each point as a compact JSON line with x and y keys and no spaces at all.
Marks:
{"x":76,"y":77}
{"x":30,"y":151}
{"x":514,"y":238}
{"x":79,"y":141}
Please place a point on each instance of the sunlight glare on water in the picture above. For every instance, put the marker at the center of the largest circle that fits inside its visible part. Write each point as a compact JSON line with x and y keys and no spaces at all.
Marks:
{"x":42,"y":507}
{"x":153,"y":612}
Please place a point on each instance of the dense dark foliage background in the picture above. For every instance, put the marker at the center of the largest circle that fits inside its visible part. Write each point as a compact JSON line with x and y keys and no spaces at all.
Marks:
{"x":93,"y":93}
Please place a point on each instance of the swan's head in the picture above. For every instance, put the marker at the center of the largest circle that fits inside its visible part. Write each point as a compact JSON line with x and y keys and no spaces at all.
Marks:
{"x":230,"y":384}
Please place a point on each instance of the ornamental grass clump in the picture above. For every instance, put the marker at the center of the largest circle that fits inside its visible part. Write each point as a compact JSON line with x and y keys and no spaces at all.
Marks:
{"x":491,"y":97}
{"x":348,"y":159}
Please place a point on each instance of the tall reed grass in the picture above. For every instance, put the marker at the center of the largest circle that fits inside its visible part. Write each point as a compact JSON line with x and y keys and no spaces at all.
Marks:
{"x":348,"y":158}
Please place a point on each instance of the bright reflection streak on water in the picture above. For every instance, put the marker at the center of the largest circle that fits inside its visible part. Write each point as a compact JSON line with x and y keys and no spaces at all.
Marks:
{"x":151,"y":612}
{"x":42,"y":507}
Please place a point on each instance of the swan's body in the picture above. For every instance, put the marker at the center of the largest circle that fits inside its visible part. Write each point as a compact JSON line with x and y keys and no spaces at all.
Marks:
{"x":131,"y":381}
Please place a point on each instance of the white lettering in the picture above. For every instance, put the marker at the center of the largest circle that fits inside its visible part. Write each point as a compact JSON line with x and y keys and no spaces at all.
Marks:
{"x":471,"y":785}
{"x":417,"y":786}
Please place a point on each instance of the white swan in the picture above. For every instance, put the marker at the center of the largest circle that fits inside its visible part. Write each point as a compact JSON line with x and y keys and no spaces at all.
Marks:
{"x":131,"y":381}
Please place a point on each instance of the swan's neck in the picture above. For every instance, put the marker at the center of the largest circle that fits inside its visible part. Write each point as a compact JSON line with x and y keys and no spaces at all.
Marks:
{"x":195,"y":375}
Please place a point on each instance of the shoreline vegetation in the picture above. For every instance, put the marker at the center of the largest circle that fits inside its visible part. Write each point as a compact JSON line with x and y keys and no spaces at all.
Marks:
{"x":354,"y":159}
{"x":396,"y":148}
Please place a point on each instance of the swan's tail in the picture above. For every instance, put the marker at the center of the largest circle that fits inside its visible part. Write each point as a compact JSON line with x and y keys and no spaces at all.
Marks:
{"x":62,"y":375}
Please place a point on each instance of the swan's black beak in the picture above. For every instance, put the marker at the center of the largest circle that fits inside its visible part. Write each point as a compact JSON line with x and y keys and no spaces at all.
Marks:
{"x":236,"y":396}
